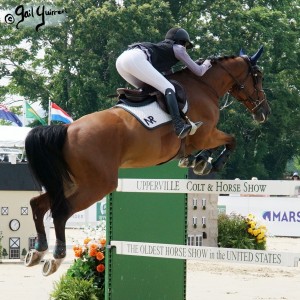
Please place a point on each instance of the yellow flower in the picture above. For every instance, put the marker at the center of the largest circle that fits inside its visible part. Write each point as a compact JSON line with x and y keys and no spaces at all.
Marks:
{"x":261,"y":236}
{"x":86,"y":241}
{"x":256,"y":232}
{"x":252,"y":224}
{"x":250,"y":217}
{"x":250,"y":230}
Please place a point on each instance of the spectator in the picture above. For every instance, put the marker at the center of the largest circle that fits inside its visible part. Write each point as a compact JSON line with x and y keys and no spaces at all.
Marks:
{"x":295,"y":176}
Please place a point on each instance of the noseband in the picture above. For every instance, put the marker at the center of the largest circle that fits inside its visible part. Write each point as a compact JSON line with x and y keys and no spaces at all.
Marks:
{"x":255,"y":101}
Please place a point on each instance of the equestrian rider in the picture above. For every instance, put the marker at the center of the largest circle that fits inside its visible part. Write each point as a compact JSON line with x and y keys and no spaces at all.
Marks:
{"x":145,"y":62}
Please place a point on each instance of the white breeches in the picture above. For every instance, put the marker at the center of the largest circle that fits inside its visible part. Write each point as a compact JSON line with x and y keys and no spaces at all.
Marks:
{"x":134,"y":67}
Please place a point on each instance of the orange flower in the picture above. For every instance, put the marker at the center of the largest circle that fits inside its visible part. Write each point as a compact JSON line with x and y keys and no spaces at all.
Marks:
{"x":93,"y":252}
{"x":93,"y":246}
{"x":86,"y":241}
{"x":100,"y":268}
{"x":100,"y":255}
{"x":75,"y":247}
{"x":78,"y":252}
{"x":102,"y":242}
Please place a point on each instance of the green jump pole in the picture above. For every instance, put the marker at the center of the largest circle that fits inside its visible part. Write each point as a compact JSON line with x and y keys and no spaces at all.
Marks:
{"x":151,"y":218}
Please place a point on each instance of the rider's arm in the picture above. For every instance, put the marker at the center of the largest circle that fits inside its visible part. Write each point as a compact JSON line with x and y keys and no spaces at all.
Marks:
{"x":181,"y":54}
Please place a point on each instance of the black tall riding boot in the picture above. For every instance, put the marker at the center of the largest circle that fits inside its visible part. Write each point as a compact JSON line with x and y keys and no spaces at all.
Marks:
{"x":181,"y":128}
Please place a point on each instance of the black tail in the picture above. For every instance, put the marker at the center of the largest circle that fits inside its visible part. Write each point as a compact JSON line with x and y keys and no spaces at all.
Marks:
{"x":44,"y":154}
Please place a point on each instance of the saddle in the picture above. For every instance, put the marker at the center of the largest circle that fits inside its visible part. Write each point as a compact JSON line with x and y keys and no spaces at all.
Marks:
{"x":149,"y":94}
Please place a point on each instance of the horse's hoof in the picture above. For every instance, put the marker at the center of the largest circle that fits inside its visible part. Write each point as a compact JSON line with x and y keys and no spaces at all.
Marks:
{"x":50,"y":266}
{"x":207,"y":169}
{"x":33,"y":257}
{"x":187,"y":162}
{"x":202,"y":168}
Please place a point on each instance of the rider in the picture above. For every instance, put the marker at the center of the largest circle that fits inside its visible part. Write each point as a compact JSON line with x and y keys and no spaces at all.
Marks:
{"x":145,"y":62}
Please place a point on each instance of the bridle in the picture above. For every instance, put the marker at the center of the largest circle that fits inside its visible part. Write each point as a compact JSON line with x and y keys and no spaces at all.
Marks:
{"x":252,"y":101}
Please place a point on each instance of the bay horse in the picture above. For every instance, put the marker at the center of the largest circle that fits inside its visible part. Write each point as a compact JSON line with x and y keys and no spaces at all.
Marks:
{"x":78,"y":164}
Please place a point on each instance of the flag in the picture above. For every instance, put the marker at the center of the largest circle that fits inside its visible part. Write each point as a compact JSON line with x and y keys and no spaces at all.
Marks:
{"x":9,"y":116}
{"x":58,"y":114}
{"x":32,"y":114}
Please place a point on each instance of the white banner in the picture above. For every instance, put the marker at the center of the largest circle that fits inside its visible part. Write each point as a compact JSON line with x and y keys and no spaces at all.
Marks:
{"x":281,"y":215}
{"x":245,"y":256}
{"x":251,"y":187}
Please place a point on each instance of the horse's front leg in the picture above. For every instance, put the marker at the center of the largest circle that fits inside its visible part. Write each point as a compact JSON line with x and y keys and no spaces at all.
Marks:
{"x":39,"y":206}
{"x":202,"y":165}
{"x":222,"y":159}
{"x":199,"y":162}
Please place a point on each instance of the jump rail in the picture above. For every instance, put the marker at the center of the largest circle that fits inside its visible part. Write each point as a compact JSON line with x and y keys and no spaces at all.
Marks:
{"x":270,"y":258}
{"x":254,"y":187}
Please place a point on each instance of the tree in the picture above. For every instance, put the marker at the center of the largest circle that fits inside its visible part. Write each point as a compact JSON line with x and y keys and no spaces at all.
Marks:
{"x":78,"y":69}
{"x":80,"y":54}
{"x":224,"y":27}
{"x":4,"y":253}
{"x":24,"y":252}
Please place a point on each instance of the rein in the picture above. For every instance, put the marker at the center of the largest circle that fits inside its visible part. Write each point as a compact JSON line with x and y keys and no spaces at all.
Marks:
{"x":238,"y":85}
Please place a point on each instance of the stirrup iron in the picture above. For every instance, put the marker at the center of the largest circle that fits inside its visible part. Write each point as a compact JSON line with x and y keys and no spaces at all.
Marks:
{"x":195,"y":125}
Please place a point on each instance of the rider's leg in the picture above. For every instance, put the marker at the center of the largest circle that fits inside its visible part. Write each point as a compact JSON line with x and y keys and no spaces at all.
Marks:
{"x":134,"y":67}
{"x":121,"y":66}
{"x":181,"y":128}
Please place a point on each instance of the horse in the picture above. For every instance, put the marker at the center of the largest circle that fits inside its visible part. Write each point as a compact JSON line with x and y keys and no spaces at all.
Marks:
{"x":77,"y":164}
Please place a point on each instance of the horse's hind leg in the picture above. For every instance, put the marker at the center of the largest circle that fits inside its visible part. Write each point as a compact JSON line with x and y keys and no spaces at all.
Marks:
{"x":80,"y":200}
{"x":59,"y":253}
{"x":39,"y":206}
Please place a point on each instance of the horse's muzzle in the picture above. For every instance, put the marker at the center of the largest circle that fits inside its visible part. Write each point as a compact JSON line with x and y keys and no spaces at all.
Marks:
{"x":261,"y":115}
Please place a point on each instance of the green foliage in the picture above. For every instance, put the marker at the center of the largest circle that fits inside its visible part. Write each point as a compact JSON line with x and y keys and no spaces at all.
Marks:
{"x":236,"y":231}
{"x":90,"y":263}
{"x":78,"y":71}
{"x":24,"y":252}
{"x":227,"y":26}
{"x":86,"y":270}
{"x":88,"y":267}
{"x":70,"y":288}
{"x":4,"y":252}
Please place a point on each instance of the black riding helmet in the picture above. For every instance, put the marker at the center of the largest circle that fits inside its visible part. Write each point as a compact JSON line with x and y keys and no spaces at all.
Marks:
{"x":179,"y":35}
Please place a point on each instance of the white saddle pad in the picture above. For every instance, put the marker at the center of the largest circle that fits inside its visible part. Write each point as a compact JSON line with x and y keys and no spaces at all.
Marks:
{"x":150,"y":115}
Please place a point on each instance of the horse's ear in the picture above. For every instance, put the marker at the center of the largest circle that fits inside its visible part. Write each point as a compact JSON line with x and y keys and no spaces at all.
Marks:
{"x":242,"y":52}
{"x":256,"y":56}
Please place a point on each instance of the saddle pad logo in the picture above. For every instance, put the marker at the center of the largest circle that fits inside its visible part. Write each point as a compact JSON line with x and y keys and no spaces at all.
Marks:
{"x":150,"y":115}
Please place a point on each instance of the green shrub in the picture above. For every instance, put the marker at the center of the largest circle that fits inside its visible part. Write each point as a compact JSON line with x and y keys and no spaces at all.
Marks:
{"x":236,"y":231}
{"x":85,"y":278}
{"x":4,"y":252}
{"x":69,"y":288}
{"x":90,"y":262}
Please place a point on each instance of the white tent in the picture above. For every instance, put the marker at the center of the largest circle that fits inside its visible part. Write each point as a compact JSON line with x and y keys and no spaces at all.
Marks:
{"x":13,"y":136}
